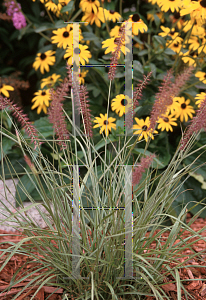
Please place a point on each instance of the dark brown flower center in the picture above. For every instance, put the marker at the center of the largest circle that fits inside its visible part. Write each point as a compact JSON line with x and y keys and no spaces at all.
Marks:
{"x":43,"y":56}
{"x":65,"y":34}
{"x":183,"y":105}
{"x":193,"y":53}
{"x":106,"y":122}
{"x":203,"y":3}
{"x":112,"y":12}
{"x":124,"y":102}
{"x":171,"y":0}
{"x":177,"y":15}
{"x":43,"y":93}
{"x":116,"y":40}
{"x":135,"y":18}
{"x":144,"y":128}
{"x":77,"y":51}
{"x":205,"y":75}
{"x":176,"y":44}
{"x":172,"y":32}
{"x":166,"y":119}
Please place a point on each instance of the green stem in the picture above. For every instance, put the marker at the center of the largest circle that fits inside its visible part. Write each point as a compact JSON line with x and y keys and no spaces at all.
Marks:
{"x":50,"y":17}
{"x":120,"y":7}
{"x":76,"y":15}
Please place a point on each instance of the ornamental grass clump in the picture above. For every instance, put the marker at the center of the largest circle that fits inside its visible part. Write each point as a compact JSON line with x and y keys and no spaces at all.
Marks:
{"x":92,"y":217}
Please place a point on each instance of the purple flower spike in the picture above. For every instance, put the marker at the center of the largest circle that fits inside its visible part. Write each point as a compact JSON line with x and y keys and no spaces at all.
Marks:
{"x":19,"y":20}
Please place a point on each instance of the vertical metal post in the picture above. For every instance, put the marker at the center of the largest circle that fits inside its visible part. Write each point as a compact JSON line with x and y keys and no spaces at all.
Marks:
{"x":75,"y":77}
{"x":128,"y":222}
{"x":76,"y":223}
{"x":128,"y":76}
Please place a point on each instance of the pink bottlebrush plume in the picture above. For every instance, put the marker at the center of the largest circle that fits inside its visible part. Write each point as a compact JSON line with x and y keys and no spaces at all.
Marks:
{"x":197,"y":123}
{"x":115,"y":55}
{"x":136,"y":96}
{"x":162,"y":100}
{"x":86,"y":111}
{"x":81,"y":95}
{"x":69,"y":74}
{"x":145,"y":162}
{"x":17,"y":112}
{"x":74,"y":84}
{"x":167,"y":92}
{"x":55,"y":112}
{"x":29,"y":163}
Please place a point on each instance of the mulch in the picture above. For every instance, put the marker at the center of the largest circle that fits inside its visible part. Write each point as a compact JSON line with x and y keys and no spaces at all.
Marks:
{"x":193,"y":276}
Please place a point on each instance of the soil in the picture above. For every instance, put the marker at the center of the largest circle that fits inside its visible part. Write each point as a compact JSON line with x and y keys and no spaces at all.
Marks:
{"x":196,"y":276}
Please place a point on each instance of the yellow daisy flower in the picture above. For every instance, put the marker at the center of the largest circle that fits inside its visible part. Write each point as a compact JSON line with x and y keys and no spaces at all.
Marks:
{"x":115,"y":32}
{"x":113,"y":16}
{"x":89,"y":5}
{"x":119,"y":106}
{"x":137,"y":24}
{"x":165,"y":122}
{"x":41,"y":100}
{"x":175,"y":45}
{"x":196,"y":29}
{"x":92,"y":17}
{"x":168,"y":31}
{"x":63,"y":37}
{"x":5,"y":88}
{"x":111,"y":46}
{"x":184,"y":109}
{"x":84,"y":54}
{"x":188,"y":59}
{"x":170,"y":4}
{"x":196,"y":9}
{"x":105,"y":123}
{"x":43,"y":60}
{"x":82,"y":76}
{"x":201,"y":76}
{"x":56,"y":8}
{"x":50,"y":81}
{"x":174,"y":106}
{"x":200,"y":97}
{"x":142,"y":127}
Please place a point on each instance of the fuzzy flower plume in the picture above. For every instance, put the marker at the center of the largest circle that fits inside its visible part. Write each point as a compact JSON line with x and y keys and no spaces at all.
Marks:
{"x":167,"y":91}
{"x":86,"y":112}
{"x":30,"y":164}
{"x":137,"y":96}
{"x":56,"y":115}
{"x":197,"y":123}
{"x":145,"y":162}
{"x":115,"y":55}
{"x":17,"y":112}
{"x":81,"y":95}
{"x":14,"y":11}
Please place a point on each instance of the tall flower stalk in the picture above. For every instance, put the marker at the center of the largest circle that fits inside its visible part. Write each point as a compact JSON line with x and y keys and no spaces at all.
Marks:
{"x":167,"y":91}
{"x":55,"y":112}
{"x":197,"y":123}
{"x":115,"y":55}
{"x":81,"y":96}
{"x":21,"y":117}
